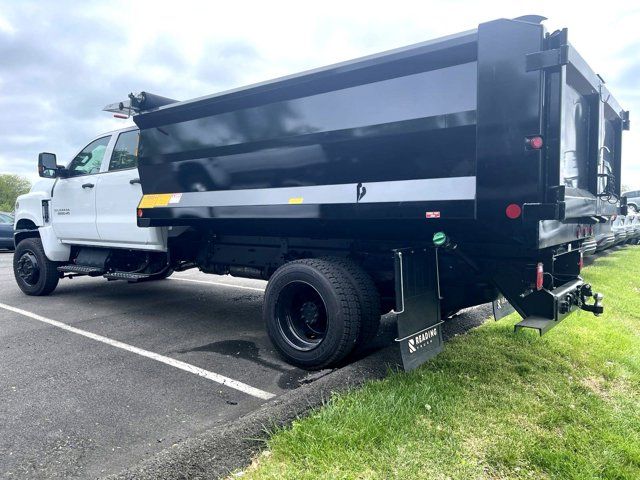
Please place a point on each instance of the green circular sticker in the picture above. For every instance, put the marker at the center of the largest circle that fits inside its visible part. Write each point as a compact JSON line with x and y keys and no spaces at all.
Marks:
{"x":439,"y":239}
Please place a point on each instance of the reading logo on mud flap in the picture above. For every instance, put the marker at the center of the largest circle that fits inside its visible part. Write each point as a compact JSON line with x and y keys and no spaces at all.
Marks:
{"x":501,"y":302}
{"x":422,"y":339}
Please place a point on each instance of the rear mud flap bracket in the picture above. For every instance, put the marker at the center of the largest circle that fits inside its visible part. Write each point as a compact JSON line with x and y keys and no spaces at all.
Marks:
{"x":418,"y":306}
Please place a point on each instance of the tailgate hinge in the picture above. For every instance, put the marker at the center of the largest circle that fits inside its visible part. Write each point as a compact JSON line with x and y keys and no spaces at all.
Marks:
{"x":555,"y":57}
{"x":625,"y":119}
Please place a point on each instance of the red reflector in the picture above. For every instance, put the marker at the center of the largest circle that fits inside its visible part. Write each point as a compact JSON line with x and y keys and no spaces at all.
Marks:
{"x":120,"y":115}
{"x":581,"y":263}
{"x":513,"y":211}
{"x":539,"y":276}
{"x":140,"y":212}
{"x":535,"y":142}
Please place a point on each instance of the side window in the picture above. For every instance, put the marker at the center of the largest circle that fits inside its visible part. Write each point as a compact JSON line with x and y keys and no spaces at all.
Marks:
{"x":125,"y":153}
{"x":88,"y":161}
{"x":5,"y":218}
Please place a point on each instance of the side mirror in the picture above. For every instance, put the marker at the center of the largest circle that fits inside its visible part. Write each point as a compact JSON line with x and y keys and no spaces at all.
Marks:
{"x":47,"y":165}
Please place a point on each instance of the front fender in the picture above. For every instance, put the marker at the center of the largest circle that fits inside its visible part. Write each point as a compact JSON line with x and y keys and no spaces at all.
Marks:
{"x":29,"y":210}
{"x":55,"y":250}
{"x":30,"y":221}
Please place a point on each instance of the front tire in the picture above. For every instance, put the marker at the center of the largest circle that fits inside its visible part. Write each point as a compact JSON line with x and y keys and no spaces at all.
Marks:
{"x":312,"y":313}
{"x":34,"y":272}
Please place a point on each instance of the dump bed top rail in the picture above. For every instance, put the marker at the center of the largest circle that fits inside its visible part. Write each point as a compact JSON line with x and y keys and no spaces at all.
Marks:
{"x":437,"y":53}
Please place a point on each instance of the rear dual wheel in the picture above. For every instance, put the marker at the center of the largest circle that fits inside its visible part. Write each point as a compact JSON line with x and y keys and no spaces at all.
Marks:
{"x":314,"y":311}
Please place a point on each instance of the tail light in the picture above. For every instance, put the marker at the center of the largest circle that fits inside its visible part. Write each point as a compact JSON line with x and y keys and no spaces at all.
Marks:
{"x":539,"y":276}
{"x":581,"y":262}
{"x":535,"y":142}
{"x":513,"y":211}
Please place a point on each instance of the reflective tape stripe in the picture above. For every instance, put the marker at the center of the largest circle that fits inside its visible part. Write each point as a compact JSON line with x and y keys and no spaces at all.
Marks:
{"x":420,"y":190}
{"x":156,"y":200}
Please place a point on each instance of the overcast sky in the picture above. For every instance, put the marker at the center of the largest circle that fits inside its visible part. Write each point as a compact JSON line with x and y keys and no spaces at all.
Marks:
{"x":61,"y":62}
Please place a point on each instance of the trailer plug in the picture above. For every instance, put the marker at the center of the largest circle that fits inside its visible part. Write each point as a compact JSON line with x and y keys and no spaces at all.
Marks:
{"x":596,"y":308}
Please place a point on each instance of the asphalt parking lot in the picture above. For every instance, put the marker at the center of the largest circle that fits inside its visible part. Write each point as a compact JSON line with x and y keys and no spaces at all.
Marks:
{"x":102,"y":375}
{"x":72,"y":405}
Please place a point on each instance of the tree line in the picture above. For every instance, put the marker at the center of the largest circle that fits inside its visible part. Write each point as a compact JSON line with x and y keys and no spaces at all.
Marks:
{"x":11,"y":187}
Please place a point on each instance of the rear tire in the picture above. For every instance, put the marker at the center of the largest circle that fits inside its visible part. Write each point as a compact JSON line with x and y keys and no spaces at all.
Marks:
{"x":368,"y":296}
{"x":34,"y":272}
{"x":312,"y":312}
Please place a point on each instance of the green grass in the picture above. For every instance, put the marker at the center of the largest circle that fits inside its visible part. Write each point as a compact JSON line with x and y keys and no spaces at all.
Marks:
{"x":492,"y":405}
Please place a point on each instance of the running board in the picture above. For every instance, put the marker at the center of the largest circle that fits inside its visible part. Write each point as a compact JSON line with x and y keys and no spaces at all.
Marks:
{"x":96,"y":271}
{"x":541,"y":324}
{"x":81,"y":270}
{"x":129,"y":276}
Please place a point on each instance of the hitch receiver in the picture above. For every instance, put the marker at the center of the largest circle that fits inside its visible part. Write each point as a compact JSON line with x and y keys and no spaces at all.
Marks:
{"x":564,"y":300}
{"x":596,"y":308}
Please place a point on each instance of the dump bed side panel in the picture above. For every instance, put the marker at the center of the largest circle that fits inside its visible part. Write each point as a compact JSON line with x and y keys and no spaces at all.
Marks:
{"x":389,"y":136}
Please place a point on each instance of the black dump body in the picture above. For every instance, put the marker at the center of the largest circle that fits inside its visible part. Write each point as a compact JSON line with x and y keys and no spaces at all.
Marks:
{"x":396,"y":146}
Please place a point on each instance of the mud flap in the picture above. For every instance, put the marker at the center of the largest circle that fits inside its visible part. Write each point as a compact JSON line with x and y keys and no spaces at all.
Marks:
{"x":418,"y":306}
{"x":502,"y":308}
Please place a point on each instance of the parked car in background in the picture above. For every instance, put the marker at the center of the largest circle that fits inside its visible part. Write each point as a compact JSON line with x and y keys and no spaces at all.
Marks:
{"x":632,"y":224}
{"x":633,"y":200}
{"x":590,"y":245}
{"x":6,"y":231}
{"x":604,"y":235}
{"x":619,"y":230}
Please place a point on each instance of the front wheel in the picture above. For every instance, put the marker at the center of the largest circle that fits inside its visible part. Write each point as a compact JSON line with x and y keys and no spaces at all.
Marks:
{"x":34,"y":272}
{"x":312,"y":312}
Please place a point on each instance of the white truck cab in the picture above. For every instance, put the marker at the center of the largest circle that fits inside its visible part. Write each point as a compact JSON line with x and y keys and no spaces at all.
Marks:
{"x":81,"y":217}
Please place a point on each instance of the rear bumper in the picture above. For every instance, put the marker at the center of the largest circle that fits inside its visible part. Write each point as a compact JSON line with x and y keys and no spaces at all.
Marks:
{"x":555,"y":306}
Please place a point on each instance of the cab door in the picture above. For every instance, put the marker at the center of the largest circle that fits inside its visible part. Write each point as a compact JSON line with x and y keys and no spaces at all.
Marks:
{"x":74,"y":197}
{"x":117,"y":196}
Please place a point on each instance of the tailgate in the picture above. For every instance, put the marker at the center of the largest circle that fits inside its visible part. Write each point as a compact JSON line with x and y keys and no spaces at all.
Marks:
{"x":584,"y":132}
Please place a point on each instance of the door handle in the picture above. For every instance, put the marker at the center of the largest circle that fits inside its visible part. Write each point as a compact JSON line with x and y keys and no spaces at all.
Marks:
{"x":88,"y":185}
{"x":134,"y":180}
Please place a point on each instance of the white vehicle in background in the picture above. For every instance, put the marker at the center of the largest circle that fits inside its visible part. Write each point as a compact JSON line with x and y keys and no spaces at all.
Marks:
{"x":87,"y":215}
{"x":633,"y":200}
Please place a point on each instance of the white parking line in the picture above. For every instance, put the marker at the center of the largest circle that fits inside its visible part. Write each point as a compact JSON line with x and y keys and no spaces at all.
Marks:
{"x":229,"y":382}
{"x":217,"y":283}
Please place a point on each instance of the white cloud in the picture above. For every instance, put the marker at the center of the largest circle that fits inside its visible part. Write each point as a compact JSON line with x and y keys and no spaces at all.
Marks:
{"x":5,"y":26}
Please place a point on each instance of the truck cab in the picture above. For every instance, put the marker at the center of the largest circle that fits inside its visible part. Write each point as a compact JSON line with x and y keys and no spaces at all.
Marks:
{"x":83,"y":213}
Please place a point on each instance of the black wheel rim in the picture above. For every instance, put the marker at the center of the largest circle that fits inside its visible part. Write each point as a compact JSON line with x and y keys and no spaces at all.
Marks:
{"x":28,"y":268}
{"x":301,"y":316}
